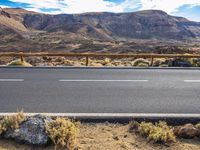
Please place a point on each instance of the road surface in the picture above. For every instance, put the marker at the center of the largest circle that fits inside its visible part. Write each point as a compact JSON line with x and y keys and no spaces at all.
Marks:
{"x":70,"y":90}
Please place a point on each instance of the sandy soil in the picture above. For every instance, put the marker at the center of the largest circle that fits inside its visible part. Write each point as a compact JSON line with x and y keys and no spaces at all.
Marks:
{"x":110,"y":137}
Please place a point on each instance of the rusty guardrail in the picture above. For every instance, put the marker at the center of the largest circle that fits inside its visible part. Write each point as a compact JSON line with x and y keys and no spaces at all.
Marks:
{"x":87,"y":55}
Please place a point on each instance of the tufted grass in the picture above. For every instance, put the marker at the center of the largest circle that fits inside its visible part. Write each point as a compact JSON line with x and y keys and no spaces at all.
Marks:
{"x":18,"y":62}
{"x":11,"y":122}
{"x":63,"y":133}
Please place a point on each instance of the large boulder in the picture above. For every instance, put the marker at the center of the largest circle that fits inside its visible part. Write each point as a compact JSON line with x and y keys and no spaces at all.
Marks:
{"x":32,"y":131}
{"x":187,"y":131}
{"x":179,"y":63}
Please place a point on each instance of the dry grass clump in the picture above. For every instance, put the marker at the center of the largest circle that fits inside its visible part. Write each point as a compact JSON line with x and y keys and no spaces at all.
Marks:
{"x":11,"y":122}
{"x":63,"y":132}
{"x":143,"y":65}
{"x":197,"y":126}
{"x":140,"y":62}
{"x":164,"y":65}
{"x":158,"y":132}
{"x":18,"y":62}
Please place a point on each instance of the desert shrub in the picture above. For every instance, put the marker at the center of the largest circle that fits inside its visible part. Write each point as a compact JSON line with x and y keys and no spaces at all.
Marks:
{"x":160,"y":61}
{"x":11,"y":122}
{"x":196,"y":62}
{"x":158,"y":132}
{"x":197,"y":126}
{"x":18,"y":62}
{"x":164,"y":65}
{"x":142,"y":65}
{"x":63,"y":132}
{"x":140,"y":62}
{"x":133,"y":125}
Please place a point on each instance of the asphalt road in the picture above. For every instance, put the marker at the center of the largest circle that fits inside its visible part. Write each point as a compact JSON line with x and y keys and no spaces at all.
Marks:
{"x":70,"y":90}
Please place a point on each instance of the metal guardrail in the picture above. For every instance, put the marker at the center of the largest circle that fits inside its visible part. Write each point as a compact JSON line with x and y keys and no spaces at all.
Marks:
{"x":87,"y":55}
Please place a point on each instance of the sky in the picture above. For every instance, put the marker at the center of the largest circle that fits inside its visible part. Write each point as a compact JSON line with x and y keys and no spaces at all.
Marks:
{"x":185,"y":8}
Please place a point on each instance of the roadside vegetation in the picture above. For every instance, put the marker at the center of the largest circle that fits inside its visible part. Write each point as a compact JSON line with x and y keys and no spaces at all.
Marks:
{"x":11,"y":122}
{"x":64,"y":133}
{"x":18,"y":62}
{"x":101,"y":62}
{"x":158,"y":133}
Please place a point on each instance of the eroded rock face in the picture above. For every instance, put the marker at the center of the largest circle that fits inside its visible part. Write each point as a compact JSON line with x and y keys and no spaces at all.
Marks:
{"x":32,"y":131}
{"x":187,"y":131}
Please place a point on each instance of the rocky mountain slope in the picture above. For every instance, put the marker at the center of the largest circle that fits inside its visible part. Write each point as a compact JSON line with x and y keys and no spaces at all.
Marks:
{"x":21,"y":29}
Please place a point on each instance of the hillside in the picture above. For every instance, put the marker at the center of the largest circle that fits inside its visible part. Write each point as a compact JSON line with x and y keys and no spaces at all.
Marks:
{"x":137,"y":31}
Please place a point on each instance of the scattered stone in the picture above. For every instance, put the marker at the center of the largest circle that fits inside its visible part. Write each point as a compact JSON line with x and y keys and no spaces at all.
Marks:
{"x":34,"y":60}
{"x":31,"y":131}
{"x":60,"y":59}
{"x":116,"y":138}
{"x":188,"y":131}
{"x":46,"y":58}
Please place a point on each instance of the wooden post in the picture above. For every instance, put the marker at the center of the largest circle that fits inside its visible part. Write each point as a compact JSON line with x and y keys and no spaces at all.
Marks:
{"x":22,"y":58}
{"x":87,"y":61}
{"x":151,"y":64}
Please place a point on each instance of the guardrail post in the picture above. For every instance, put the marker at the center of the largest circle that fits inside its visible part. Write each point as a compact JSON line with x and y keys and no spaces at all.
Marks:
{"x":151,"y":64}
{"x":87,"y":61}
{"x":22,"y":58}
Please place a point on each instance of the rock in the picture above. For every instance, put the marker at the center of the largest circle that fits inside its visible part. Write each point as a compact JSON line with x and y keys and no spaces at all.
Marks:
{"x":32,"y":131}
{"x":50,"y":64}
{"x":179,"y":63}
{"x":187,"y":131}
{"x":60,"y":59}
{"x":107,"y":60}
{"x":116,"y":138}
{"x":68,"y":63}
{"x":96,"y":64}
{"x":34,"y":60}
{"x":140,"y":62}
{"x":109,"y":65}
{"x":119,"y":63}
{"x":46,"y":58}
{"x":77,"y":64}
{"x":160,"y":62}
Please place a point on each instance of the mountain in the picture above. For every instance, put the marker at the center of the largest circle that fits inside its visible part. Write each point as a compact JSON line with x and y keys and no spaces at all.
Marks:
{"x":88,"y":31}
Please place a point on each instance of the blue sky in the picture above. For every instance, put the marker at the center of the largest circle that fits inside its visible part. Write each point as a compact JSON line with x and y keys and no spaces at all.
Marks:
{"x":185,"y":8}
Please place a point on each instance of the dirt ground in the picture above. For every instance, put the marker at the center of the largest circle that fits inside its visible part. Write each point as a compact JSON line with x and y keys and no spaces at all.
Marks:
{"x":106,"y":136}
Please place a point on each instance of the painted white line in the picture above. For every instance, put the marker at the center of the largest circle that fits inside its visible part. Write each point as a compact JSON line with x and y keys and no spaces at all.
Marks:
{"x":11,"y":80}
{"x":192,"y":81}
{"x":114,"y":115}
{"x":103,"y":80}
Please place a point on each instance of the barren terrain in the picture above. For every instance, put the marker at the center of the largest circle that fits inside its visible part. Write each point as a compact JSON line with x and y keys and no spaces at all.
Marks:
{"x":107,"y":136}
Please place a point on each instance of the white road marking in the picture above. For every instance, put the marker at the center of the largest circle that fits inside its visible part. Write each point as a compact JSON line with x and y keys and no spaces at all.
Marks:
{"x":192,"y":81}
{"x":113,"y":115}
{"x":11,"y":80}
{"x":103,"y":80}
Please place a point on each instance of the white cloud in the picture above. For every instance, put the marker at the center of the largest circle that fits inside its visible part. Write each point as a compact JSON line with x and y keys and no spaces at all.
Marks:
{"x":3,"y":6}
{"x":80,"y":6}
{"x":168,"y":6}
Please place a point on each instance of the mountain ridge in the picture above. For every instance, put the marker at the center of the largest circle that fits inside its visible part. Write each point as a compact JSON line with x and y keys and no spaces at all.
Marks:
{"x":40,"y":28}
